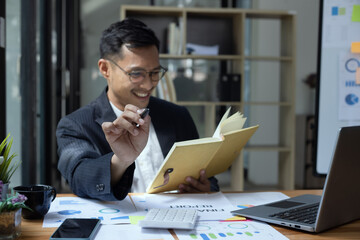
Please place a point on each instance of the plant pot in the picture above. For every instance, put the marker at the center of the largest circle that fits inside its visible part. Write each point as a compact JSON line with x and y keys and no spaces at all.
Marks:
{"x":4,"y":191}
{"x":10,"y":224}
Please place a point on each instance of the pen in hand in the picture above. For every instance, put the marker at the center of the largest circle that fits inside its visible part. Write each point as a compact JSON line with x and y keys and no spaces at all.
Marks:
{"x":143,"y":115}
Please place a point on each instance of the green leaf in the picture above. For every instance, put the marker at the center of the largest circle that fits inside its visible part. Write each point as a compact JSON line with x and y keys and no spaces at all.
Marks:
{"x":6,"y":169}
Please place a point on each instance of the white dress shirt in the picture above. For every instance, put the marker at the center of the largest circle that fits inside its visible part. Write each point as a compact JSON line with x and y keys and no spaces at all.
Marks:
{"x":148,"y":162}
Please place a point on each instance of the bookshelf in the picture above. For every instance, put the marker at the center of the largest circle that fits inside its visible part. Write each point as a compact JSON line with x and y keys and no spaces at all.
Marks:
{"x":266,"y":91}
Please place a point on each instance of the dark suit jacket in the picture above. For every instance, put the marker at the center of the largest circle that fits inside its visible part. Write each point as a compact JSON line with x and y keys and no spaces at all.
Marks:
{"x":84,"y":153}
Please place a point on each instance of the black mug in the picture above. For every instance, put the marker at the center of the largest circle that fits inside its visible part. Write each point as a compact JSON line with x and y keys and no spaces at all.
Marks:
{"x":39,"y":198}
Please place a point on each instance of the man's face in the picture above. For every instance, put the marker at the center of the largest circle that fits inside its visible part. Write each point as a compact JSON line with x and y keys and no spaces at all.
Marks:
{"x":121,"y":90}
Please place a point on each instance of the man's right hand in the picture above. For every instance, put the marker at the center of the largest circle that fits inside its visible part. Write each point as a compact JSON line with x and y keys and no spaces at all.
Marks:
{"x":125,"y":139}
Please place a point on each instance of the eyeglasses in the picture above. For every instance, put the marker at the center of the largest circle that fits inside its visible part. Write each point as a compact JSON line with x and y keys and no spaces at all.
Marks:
{"x":137,"y":76}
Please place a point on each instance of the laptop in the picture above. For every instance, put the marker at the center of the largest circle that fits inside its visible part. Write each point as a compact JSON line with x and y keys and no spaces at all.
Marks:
{"x":340,"y":200}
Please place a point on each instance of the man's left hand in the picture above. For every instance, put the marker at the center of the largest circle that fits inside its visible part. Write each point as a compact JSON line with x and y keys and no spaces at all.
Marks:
{"x":196,"y":185}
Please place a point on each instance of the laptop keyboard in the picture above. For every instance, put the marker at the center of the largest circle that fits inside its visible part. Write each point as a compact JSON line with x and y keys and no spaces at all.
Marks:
{"x":304,"y":214}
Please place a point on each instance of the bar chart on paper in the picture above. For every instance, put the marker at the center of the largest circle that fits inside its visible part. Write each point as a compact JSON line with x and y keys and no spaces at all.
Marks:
{"x":209,"y":230}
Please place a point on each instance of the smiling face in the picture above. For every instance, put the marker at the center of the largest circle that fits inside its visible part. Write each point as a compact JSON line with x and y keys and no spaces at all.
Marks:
{"x":121,"y":91}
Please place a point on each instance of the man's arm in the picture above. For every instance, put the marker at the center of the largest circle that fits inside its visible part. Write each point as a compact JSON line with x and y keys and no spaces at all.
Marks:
{"x":85,"y":161}
{"x":127,"y":137}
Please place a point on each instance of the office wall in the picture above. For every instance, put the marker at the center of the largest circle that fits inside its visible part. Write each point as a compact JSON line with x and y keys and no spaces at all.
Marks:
{"x":263,"y":167}
{"x":307,"y":28}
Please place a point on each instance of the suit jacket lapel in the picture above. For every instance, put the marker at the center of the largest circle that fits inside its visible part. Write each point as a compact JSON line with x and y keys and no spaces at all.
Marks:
{"x":103,"y":110}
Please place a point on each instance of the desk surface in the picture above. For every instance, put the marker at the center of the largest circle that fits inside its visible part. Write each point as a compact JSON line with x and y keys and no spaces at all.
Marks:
{"x":32,"y":229}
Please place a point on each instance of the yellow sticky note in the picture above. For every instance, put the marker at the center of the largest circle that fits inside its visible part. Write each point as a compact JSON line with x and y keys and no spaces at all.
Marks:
{"x":342,"y":11}
{"x":355,"y":17}
{"x":357,"y":75}
{"x":355,"y":47}
{"x":236,"y":218}
{"x":135,"y":219}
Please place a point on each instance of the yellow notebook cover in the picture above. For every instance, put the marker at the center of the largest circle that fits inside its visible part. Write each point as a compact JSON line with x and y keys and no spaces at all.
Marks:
{"x":215,"y":154}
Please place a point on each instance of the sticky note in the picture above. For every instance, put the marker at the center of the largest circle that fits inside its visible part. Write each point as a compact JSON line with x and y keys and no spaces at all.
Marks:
{"x":135,"y":219}
{"x":334,"y":11}
{"x":357,"y":76}
{"x":355,"y":17}
{"x":342,"y":11}
{"x":235,"y":218}
{"x":355,"y":47}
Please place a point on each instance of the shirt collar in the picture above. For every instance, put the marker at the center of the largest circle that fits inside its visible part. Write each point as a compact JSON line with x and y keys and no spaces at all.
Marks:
{"x":117,"y":111}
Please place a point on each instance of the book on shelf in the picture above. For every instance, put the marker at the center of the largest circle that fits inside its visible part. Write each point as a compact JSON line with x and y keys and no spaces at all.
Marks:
{"x":229,"y":87}
{"x":214,"y":154}
{"x":174,"y":38}
{"x":166,"y":89}
{"x":197,"y":49}
{"x":235,"y":87}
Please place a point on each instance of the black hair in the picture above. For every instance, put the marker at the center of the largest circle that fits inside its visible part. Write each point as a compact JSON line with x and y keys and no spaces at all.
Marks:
{"x":131,"y":32}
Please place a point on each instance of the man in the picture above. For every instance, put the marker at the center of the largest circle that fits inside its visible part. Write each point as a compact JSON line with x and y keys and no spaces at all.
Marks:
{"x":100,"y":144}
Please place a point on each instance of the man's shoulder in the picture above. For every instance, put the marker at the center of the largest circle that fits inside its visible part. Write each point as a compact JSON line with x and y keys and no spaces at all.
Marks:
{"x":89,"y":111}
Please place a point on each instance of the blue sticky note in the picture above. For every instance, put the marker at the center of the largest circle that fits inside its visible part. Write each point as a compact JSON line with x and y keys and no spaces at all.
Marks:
{"x":334,"y":11}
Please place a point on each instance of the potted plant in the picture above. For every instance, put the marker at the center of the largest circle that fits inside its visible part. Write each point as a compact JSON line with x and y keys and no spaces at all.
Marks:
{"x":10,"y":204}
{"x":7,"y":169}
{"x":10,"y":214}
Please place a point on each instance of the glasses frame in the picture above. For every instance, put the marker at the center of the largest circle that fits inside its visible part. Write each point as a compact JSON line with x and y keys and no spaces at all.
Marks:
{"x":162,"y":69}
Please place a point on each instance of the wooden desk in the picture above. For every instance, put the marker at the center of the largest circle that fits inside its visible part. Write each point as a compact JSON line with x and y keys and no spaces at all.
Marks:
{"x":32,"y":229}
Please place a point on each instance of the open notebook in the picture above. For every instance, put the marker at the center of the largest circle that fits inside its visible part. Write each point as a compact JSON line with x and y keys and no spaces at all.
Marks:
{"x":215,"y":154}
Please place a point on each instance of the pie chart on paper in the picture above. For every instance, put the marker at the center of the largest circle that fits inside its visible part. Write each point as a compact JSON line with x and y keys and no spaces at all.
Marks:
{"x":351,"y":99}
